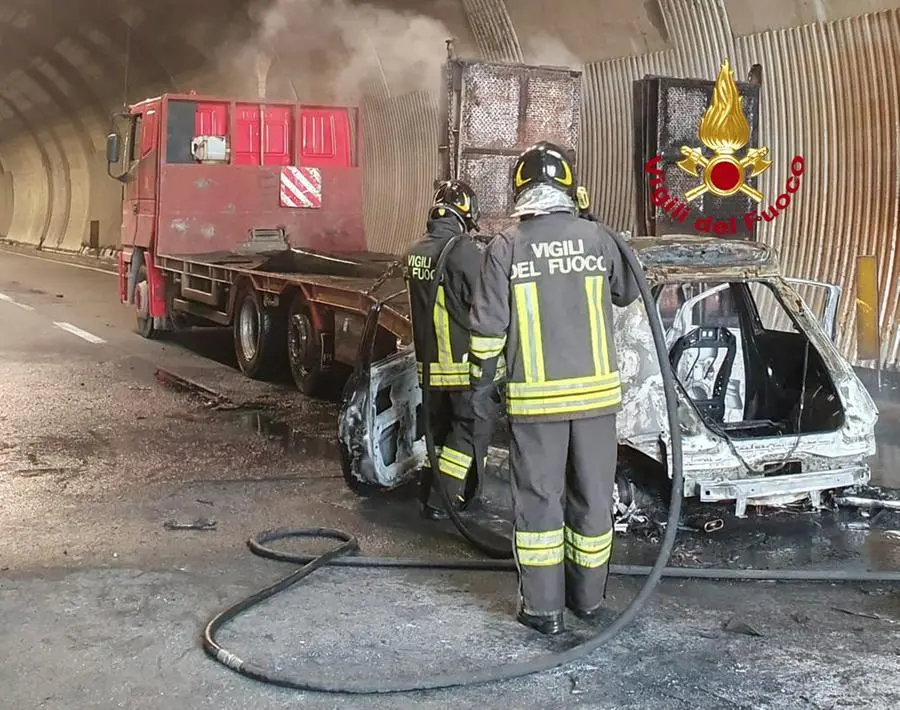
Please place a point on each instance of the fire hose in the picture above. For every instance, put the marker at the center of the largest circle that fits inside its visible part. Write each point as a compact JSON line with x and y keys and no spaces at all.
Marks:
{"x":346,"y":554}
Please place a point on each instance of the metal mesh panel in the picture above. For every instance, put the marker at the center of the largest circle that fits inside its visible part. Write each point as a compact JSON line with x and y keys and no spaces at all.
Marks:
{"x":674,"y":109}
{"x":553,"y":110}
{"x":503,"y":109}
{"x":490,"y":116}
{"x":490,"y":176}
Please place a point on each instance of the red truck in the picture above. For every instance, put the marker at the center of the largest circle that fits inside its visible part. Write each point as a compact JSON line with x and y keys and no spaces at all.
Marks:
{"x":250,"y":214}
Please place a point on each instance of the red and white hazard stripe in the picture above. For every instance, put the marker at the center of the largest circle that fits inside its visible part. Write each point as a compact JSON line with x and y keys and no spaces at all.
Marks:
{"x":301,"y":187}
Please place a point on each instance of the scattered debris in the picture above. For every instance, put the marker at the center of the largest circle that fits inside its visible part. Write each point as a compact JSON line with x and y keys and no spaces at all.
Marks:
{"x":205,"y":502}
{"x":800,"y":618}
{"x":856,"y":502}
{"x":186,"y":384}
{"x":863,"y":614}
{"x":709,"y":634}
{"x":574,"y":689}
{"x":713,"y":525}
{"x":736,"y":626}
{"x":198,"y":524}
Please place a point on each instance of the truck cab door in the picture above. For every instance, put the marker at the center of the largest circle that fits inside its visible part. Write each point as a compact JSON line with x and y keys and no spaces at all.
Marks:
{"x":130,"y":189}
{"x":822,"y":300}
{"x":139,"y":205}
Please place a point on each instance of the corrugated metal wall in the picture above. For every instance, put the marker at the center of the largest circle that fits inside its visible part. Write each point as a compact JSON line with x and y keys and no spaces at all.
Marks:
{"x":401,"y":163}
{"x":830,"y":93}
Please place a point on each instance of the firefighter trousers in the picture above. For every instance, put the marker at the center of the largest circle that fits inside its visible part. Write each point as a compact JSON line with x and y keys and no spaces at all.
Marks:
{"x":458,"y":438}
{"x":563,"y":475}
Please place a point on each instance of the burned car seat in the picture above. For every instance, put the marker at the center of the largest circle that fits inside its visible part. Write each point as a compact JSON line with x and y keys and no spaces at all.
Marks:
{"x":714,"y":338}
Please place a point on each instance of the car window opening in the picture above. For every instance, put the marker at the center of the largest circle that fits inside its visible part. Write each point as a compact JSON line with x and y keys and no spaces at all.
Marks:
{"x":741,"y":357}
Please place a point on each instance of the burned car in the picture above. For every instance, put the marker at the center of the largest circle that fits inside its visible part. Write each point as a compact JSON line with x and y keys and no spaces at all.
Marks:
{"x":770,"y":411}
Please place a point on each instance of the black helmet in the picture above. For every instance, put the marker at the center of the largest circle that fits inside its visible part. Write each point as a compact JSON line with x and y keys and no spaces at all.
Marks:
{"x":457,"y":198}
{"x":543,"y":163}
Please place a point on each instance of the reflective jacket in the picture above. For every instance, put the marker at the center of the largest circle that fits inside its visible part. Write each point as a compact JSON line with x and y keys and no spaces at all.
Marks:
{"x":545,"y":300}
{"x":450,"y":318}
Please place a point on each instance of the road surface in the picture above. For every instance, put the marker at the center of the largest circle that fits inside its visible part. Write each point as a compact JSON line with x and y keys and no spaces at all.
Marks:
{"x":102,"y":605}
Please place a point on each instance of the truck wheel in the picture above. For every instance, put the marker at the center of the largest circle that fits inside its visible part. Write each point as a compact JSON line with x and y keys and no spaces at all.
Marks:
{"x":304,"y":348}
{"x":258,"y":334}
{"x":142,"y":306}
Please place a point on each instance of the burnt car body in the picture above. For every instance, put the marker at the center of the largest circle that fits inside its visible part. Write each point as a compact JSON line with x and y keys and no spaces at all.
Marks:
{"x":770,"y":410}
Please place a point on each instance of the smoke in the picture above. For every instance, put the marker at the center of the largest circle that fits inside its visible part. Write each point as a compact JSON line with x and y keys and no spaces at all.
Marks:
{"x":548,"y":50}
{"x":336,"y":50}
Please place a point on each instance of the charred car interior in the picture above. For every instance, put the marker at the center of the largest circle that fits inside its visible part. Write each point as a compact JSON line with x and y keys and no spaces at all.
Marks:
{"x":744,"y":361}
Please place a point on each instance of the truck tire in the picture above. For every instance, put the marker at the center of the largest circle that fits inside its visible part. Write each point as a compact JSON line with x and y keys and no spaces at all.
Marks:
{"x":258,"y":334}
{"x":304,"y":348}
{"x":142,"y":306}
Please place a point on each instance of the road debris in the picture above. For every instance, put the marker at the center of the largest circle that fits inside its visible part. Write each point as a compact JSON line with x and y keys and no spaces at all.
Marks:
{"x":857,"y":502}
{"x":863,"y":614}
{"x":736,"y":626}
{"x":198,"y":524}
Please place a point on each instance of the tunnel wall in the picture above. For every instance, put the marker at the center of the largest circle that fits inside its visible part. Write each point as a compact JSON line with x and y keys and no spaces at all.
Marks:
{"x":831,"y":94}
{"x":53,"y":182}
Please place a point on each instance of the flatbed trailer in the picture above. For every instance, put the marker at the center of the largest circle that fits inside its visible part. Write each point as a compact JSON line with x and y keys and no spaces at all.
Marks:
{"x":250,"y":214}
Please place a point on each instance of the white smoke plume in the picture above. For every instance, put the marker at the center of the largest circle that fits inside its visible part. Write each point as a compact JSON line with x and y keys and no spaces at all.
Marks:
{"x":337,"y":50}
{"x":550,"y":51}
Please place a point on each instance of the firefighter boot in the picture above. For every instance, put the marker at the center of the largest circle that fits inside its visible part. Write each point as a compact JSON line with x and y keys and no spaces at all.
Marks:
{"x":598,"y":616}
{"x":548,"y":624}
{"x":426,"y":509}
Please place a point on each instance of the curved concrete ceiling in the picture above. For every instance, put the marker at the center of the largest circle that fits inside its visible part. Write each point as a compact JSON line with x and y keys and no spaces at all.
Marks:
{"x":66,"y":66}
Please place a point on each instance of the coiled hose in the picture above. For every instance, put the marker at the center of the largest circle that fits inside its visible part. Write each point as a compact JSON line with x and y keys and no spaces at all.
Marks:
{"x":346,"y":555}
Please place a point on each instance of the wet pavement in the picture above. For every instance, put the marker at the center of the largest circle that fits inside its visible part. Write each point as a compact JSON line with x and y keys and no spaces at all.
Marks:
{"x":102,"y":603}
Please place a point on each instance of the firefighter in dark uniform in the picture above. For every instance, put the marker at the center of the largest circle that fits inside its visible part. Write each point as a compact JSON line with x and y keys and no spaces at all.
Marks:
{"x":454,"y":212}
{"x":545,"y":302}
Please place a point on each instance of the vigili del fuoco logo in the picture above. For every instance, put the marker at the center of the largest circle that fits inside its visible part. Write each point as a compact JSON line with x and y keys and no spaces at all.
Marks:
{"x":724,"y":130}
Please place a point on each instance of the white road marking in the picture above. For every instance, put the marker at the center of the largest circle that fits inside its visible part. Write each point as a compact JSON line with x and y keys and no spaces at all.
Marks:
{"x":57,"y":261}
{"x":23,"y":306}
{"x":83,"y":334}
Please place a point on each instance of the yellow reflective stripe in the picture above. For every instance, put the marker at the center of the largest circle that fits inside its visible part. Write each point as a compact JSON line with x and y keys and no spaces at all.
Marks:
{"x":540,"y":558}
{"x":539,"y":540}
{"x":569,"y":386}
{"x":485,"y":346}
{"x":475,"y":371}
{"x":452,"y":469}
{"x":540,"y":549}
{"x":529,"y":322}
{"x":593,"y":286}
{"x":588,"y":543}
{"x":591,"y":560}
{"x":457,"y":457}
{"x":579,"y":402}
{"x":447,"y":380}
{"x":442,"y":327}
{"x":445,"y":368}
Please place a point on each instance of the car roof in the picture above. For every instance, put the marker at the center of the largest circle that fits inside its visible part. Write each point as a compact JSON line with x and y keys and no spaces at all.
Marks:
{"x":683,"y":256}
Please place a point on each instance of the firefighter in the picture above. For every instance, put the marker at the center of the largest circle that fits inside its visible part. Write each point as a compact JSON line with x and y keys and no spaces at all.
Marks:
{"x":454,"y":212}
{"x":544,"y":302}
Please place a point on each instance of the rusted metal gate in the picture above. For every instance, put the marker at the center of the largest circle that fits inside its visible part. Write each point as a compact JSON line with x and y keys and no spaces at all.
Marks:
{"x":494,"y":111}
{"x":667,"y":115}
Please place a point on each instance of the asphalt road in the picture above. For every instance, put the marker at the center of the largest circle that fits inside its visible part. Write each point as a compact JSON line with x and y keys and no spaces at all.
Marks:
{"x":101,"y":606}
